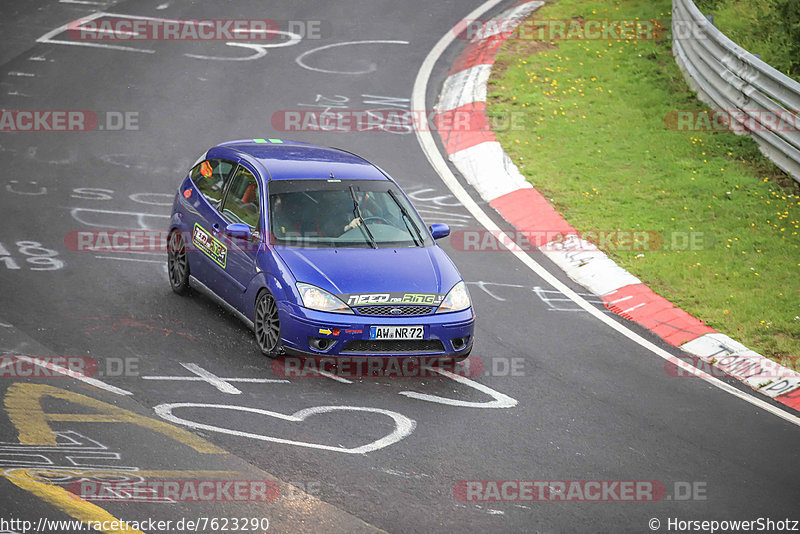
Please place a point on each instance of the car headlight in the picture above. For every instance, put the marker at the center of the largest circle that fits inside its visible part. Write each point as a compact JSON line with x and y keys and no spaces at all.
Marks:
{"x":318,"y":299}
{"x":457,"y":299}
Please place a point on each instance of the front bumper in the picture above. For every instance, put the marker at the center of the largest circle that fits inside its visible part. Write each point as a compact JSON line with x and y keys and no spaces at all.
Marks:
{"x":445,"y":334}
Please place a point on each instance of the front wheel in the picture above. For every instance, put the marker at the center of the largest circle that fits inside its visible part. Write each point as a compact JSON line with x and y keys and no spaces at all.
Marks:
{"x":267,"y":325}
{"x":177,"y":264}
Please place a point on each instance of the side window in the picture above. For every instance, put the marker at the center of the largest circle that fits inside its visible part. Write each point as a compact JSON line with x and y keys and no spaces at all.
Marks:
{"x":242,"y":204}
{"x":210,"y":178}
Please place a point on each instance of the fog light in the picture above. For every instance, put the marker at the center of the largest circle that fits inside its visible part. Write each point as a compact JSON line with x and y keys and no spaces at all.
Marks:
{"x":459,"y":342}
{"x":320,"y":343}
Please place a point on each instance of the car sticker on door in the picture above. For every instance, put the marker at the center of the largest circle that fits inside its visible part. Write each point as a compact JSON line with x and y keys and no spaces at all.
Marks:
{"x":210,"y":245}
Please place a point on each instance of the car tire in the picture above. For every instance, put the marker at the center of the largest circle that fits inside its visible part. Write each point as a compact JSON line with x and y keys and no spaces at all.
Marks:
{"x":267,"y":325}
{"x":177,"y":263}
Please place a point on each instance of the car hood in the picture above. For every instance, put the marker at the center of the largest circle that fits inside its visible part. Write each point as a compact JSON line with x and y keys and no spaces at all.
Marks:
{"x":351,"y":271}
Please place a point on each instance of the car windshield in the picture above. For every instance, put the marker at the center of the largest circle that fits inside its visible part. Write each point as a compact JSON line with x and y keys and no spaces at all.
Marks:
{"x":342,"y":214}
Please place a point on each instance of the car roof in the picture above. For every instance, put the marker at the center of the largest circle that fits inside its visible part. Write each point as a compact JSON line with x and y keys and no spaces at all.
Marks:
{"x":295,"y":160}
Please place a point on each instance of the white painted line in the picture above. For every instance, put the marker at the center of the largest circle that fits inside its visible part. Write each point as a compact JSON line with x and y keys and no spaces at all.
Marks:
{"x":83,"y":2}
{"x":48,"y":37}
{"x":500,"y":400}
{"x":301,"y":58}
{"x":439,"y":164}
{"x":134,"y":252}
{"x":620,"y":300}
{"x":222,"y":384}
{"x":117,"y":32}
{"x":437,"y":211}
{"x":633,"y":308}
{"x":139,"y":216}
{"x":334,"y":377}
{"x":140,"y":260}
{"x":404,"y":426}
{"x":22,"y":74}
{"x":211,"y":378}
{"x":76,"y":375}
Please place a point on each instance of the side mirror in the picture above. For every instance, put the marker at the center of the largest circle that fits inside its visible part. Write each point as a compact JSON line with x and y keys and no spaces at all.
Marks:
{"x":238,"y":230}
{"x":439,"y":230}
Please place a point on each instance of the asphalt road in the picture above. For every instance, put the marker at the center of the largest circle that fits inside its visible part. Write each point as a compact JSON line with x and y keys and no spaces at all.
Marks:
{"x":584,"y":402}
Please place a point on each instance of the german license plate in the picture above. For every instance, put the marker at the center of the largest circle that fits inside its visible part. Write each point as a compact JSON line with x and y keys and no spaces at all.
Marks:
{"x":396,"y":332}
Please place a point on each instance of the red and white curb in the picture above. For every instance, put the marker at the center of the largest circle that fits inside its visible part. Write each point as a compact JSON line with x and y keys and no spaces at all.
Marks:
{"x":486,"y":167}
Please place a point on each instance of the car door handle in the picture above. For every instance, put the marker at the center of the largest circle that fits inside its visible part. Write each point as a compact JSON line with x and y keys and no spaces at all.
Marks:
{"x":215,"y":227}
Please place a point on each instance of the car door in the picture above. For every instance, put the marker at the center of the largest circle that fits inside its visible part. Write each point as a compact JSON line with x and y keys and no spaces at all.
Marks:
{"x":207,"y":254}
{"x":242,"y":204}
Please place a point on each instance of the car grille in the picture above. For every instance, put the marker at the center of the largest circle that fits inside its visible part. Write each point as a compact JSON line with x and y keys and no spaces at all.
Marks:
{"x":393,"y":345}
{"x":387,"y":310}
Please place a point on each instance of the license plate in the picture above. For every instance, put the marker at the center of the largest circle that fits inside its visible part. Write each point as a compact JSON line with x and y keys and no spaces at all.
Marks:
{"x":396,"y":332}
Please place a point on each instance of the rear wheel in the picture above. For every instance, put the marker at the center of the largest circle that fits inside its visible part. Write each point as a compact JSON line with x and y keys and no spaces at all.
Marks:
{"x":267,"y":325}
{"x":177,"y":264}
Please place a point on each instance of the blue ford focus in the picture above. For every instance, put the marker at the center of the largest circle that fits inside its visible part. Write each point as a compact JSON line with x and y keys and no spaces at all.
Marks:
{"x":318,"y":251}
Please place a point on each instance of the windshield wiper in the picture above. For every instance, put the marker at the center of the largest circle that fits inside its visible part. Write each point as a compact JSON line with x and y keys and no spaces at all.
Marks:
{"x":357,"y":213}
{"x":407,"y":219}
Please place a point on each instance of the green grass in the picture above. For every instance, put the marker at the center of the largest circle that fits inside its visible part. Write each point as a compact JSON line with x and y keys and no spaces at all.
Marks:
{"x":770,"y":28}
{"x":593,"y":138}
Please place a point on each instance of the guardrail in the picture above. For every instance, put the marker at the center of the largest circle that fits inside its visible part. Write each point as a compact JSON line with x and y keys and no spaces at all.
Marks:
{"x":764,"y":101}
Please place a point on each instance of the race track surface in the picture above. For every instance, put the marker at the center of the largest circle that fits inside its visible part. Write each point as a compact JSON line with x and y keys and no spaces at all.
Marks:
{"x":582,"y":403}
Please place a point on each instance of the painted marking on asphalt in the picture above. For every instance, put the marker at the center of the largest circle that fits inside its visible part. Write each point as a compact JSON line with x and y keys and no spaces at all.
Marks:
{"x":404,"y":426}
{"x":151,"y":198}
{"x":332,"y":376}
{"x":34,"y":191}
{"x":556,"y":301}
{"x":448,"y":201}
{"x":68,"y":502}
{"x":222,"y":384}
{"x":48,"y":37}
{"x":500,"y":400}
{"x":138,"y":216}
{"x":260,"y":49}
{"x":439,"y":164}
{"x":300,"y":60}
{"x":75,"y":374}
{"x":23,"y":403}
{"x":140,"y":260}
